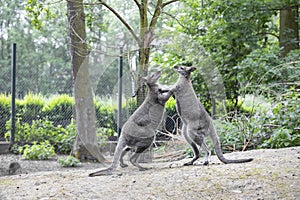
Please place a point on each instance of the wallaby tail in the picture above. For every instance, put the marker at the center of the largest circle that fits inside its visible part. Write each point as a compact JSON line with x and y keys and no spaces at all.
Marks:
{"x":216,"y":141}
{"x":120,"y":146}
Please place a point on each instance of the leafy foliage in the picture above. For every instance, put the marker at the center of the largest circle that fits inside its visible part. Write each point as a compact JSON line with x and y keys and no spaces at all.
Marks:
{"x":59,"y":109}
{"x":4,"y":112}
{"x":60,"y":138}
{"x":271,"y":128}
{"x":42,"y":151}
{"x":70,"y":161}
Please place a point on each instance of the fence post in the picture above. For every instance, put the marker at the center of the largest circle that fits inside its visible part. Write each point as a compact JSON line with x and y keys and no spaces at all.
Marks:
{"x":13,"y":93}
{"x":120,"y":74}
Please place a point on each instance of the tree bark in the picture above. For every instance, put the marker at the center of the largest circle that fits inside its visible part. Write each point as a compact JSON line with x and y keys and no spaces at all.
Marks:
{"x":289,"y":30}
{"x":85,"y":146}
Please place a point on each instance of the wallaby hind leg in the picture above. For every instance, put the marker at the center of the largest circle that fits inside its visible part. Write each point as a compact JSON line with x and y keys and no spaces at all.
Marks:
{"x":207,"y":153}
{"x":196,"y":154}
{"x":135,"y":156}
{"x":192,"y":144}
{"x":199,"y":140}
{"x":108,"y":171}
{"x":125,"y":150}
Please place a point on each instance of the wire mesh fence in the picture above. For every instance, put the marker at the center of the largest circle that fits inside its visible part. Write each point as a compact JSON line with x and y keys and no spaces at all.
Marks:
{"x":47,"y":95}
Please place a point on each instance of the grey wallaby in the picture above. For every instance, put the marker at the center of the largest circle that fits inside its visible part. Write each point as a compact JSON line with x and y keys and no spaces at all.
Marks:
{"x":196,"y":122}
{"x":138,"y":133}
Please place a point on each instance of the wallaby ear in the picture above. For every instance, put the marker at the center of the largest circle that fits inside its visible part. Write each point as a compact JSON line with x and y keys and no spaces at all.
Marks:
{"x":191,"y":69}
{"x":144,"y":79}
{"x":153,"y":77}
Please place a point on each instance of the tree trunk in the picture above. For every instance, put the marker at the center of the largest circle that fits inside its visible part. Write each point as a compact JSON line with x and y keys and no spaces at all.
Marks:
{"x":288,"y":32}
{"x":144,"y":39}
{"x":85,"y":146}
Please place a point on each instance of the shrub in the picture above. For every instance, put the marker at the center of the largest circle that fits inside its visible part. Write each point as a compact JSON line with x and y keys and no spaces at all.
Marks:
{"x":4,"y":112}
{"x":59,"y":109}
{"x":42,"y":151}
{"x":282,"y":137}
{"x":105,"y":116}
{"x":30,"y":108}
{"x":103,"y":134}
{"x":40,"y":130}
{"x":70,"y":161}
{"x":285,"y":121}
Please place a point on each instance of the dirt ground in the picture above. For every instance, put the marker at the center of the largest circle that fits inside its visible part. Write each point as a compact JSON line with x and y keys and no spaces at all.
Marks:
{"x":273,"y":174}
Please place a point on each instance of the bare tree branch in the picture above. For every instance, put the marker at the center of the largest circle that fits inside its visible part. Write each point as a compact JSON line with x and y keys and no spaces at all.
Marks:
{"x":167,"y":3}
{"x":122,"y":20}
{"x":155,"y":15}
{"x":138,"y":4}
{"x":157,"y":12}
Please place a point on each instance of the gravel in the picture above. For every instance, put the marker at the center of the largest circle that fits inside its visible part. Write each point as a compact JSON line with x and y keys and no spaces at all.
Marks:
{"x":273,"y":174}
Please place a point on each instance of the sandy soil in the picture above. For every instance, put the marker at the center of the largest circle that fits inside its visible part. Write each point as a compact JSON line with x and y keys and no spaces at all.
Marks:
{"x":274,"y":174}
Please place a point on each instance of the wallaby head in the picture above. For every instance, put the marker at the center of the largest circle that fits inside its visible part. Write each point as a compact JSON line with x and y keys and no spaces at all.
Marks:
{"x":152,"y":78}
{"x":184,"y":71}
{"x":151,"y":82}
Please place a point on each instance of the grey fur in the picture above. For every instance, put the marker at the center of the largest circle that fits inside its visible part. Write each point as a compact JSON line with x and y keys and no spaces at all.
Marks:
{"x":197,"y":124}
{"x":138,"y":132}
{"x":13,"y":167}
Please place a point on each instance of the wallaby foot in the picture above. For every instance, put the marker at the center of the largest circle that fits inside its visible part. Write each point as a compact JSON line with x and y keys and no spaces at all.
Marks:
{"x":123,"y":165}
{"x":188,"y":163}
{"x":104,"y":172}
{"x":206,"y":163}
{"x":143,"y":168}
{"x":125,"y":150}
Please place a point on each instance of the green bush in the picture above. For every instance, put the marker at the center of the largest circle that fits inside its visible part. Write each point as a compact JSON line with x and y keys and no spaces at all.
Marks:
{"x":30,"y":108}
{"x":282,"y":137}
{"x":40,"y":130}
{"x":171,"y":107}
{"x":42,"y":151}
{"x":4,"y":112}
{"x":59,"y":109}
{"x":285,"y":121}
{"x":105,"y":115}
{"x":70,"y":161}
{"x":276,"y":127}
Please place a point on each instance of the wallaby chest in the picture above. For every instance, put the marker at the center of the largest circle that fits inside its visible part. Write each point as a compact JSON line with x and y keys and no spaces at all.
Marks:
{"x":186,"y":101}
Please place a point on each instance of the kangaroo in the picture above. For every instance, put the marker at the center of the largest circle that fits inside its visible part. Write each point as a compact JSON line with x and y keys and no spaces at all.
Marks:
{"x":197,"y":124}
{"x":138,"y":133}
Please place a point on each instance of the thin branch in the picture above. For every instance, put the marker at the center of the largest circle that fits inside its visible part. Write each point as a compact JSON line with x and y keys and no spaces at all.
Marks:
{"x":268,"y":33}
{"x":122,"y":20}
{"x":155,"y":14}
{"x":137,"y":4}
{"x":177,"y":20}
{"x":167,"y":3}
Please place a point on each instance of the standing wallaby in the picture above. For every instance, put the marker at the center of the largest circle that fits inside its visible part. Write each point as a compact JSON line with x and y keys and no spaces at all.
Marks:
{"x":196,"y":122}
{"x":138,"y":132}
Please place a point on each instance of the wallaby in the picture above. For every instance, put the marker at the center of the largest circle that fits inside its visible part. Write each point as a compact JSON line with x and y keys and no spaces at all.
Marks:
{"x":138,"y":133}
{"x":196,"y":122}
